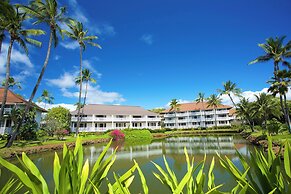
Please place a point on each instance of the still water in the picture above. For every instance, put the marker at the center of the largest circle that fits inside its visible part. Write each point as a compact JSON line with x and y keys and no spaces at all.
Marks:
{"x":172,"y":148}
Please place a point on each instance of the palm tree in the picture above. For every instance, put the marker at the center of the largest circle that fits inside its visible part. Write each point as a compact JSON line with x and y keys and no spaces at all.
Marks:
{"x":245,"y":110}
{"x":50,"y":14}
{"x":214,"y":101}
{"x":230,"y":88}
{"x":78,"y":34}
{"x":87,"y":77}
{"x":174,"y":106}
{"x":46,"y":97}
{"x":201,"y":99}
{"x":5,"y":10}
{"x":12,"y":83}
{"x":265,"y":106}
{"x":13,"y":24}
{"x":281,"y":88}
{"x":276,"y":51}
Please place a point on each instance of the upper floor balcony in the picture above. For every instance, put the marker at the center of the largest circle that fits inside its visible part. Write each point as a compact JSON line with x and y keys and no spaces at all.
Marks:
{"x":93,"y":118}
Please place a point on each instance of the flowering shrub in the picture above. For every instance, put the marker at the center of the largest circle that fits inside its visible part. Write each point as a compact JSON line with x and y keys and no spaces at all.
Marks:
{"x":61,"y":133}
{"x":117,"y":134}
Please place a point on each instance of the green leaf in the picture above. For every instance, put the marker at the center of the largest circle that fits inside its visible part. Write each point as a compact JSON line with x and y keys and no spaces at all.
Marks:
{"x":84,"y":176}
{"x":142,"y":178}
{"x":57,"y":169}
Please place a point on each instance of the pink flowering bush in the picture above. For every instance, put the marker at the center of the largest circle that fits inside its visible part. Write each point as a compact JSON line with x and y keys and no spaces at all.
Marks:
{"x":117,"y":134}
{"x":61,"y":133}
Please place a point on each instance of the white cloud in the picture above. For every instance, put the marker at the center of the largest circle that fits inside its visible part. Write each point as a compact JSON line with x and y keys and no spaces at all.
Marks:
{"x":180,"y":101}
{"x":103,"y":29}
{"x":148,"y":39}
{"x":71,"y":107}
{"x":66,"y":80}
{"x":19,"y":60}
{"x":66,"y":83}
{"x":70,"y":45}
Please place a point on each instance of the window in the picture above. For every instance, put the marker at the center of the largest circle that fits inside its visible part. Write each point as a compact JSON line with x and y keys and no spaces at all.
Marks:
{"x":151,"y":116}
{"x":83,"y":125}
{"x":120,"y":124}
{"x":120,"y":116}
{"x":136,"y":124}
{"x":136,"y":116}
{"x":101,"y":116}
{"x":101,"y":125}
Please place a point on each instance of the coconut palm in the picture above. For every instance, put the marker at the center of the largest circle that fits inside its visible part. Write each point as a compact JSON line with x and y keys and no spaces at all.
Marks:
{"x":230,"y":88}
{"x":281,"y":87}
{"x":87,"y":77}
{"x":213,"y":101}
{"x":265,"y":106}
{"x":5,"y":10}
{"x":46,"y":97}
{"x":50,"y":14}
{"x":276,"y":51}
{"x":201,"y":99}
{"x":245,"y":111}
{"x":13,"y":23}
{"x":79,"y":34}
{"x":174,"y":106}
{"x":12,"y":83}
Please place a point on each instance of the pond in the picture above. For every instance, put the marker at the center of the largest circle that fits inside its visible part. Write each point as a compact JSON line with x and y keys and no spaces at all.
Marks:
{"x":172,"y":148}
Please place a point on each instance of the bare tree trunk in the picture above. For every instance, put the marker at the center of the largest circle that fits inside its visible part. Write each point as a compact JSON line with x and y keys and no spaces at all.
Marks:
{"x":85,"y":97}
{"x":16,"y":131}
{"x":288,"y":122}
{"x":6,"y":79}
{"x":232,"y":101}
{"x":80,"y":93}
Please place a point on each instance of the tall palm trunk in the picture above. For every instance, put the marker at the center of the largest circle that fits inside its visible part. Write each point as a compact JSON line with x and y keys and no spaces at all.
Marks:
{"x":288,"y":122}
{"x":86,"y":90}
{"x":6,"y":79}
{"x":232,"y":100}
{"x":15,"y":132}
{"x":80,"y":93}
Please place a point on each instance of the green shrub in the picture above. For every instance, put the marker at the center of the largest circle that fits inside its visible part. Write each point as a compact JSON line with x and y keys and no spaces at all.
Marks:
{"x":137,"y":136}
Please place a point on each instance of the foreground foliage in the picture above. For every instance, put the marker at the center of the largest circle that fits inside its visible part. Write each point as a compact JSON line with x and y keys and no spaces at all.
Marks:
{"x":260,"y":174}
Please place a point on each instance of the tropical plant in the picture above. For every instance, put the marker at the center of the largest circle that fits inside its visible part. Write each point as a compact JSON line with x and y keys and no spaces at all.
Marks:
{"x":245,"y":111}
{"x":228,"y":89}
{"x":266,"y":106}
{"x":276,"y":51}
{"x":79,"y":34}
{"x":13,"y":22}
{"x":72,"y":175}
{"x":174,"y":106}
{"x":87,"y":77}
{"x":5,"y":9}
{"x":192,"y":185}
{"x":46,"y":97}
{"x":213,"y":101}
{"x":261,"y":174}
{"x":50,"y":14}
{"x":60,"y":116}
{"x":61,"y":133}
{"x":117,"y":135}
{"x":12,"y":83}
{"x":201,"y":99}
{"x":281,"y":87}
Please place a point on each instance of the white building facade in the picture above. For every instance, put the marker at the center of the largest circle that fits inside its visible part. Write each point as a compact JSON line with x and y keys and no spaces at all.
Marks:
{"x":15,"y":101}
{"x":197,"y":115}
{"x":97,"y":118}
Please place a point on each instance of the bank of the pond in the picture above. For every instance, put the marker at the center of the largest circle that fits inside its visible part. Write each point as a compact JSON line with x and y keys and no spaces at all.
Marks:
{"x":261,"y":141}
{"x":132,"y":137}
{"x":12,"y":152}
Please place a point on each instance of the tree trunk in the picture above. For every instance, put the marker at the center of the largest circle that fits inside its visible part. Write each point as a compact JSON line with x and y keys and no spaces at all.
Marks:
{"x":86,"y":89}
{"x":6,"y":79}
{"x":80,"y":93}
{"x":288,"y":122}
{"x":16,"y":131}
{"x":232,"y":100}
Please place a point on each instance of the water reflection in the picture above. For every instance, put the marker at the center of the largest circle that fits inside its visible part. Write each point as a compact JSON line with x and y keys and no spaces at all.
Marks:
{"x":224,"y":145}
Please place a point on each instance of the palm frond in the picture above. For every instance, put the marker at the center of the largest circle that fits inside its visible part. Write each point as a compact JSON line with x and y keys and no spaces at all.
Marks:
{"x":261,"y":59}
{"x":33,"y":42}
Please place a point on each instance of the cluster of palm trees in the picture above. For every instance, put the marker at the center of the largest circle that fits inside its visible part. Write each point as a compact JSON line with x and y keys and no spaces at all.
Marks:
{"x":13,"y":28}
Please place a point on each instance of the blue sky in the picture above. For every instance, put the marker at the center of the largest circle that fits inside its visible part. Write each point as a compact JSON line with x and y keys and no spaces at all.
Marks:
{"x":154,"y":51}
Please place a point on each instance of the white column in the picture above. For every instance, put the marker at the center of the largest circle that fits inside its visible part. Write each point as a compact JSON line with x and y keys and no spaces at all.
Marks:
{"x":146,"y":118}
{"x":130,"y":121}
{"x":112,"y":122}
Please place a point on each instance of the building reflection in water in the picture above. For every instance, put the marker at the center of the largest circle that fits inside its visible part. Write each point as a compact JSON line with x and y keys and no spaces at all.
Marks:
{"x":223,"y":145}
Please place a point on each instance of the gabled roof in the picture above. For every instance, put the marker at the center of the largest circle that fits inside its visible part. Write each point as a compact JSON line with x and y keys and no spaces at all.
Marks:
{"x":102,"y":109}
{"x":196,"y":106}
{"x":16,"y":99}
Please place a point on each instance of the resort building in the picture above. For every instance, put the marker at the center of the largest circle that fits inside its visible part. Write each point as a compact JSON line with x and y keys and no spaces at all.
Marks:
{"x":15,"y":101}
{"x":99,"y":117}
{"x":197,"y":115}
